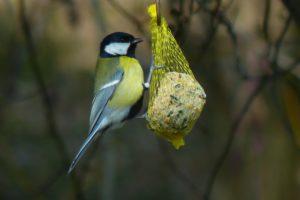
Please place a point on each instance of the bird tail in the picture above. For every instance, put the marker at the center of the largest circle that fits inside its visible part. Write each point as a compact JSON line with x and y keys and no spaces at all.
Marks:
{"x":91,"y":137}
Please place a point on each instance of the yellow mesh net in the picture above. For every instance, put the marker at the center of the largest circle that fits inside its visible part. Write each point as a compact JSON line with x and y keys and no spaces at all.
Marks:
{"x":167,"y":55}
{"x":176,"y":98}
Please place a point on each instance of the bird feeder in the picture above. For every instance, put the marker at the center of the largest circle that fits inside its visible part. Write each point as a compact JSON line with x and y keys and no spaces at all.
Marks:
{"x":176,"y":99}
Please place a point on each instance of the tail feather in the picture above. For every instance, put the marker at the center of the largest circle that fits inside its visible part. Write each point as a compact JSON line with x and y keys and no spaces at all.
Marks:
{"x":91,"y":137}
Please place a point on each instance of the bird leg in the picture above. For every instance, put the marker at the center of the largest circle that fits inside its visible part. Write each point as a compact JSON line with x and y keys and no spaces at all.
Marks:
{"x":146,"y":85}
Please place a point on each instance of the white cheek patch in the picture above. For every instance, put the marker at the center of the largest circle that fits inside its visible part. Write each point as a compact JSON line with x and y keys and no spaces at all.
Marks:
{"x":117,"y":48}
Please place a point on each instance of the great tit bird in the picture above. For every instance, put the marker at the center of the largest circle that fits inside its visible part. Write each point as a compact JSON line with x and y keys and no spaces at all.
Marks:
{"x":118,"y":89}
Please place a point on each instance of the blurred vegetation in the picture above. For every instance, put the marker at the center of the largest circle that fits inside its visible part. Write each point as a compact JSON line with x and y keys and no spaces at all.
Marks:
{"x":246,"y":54}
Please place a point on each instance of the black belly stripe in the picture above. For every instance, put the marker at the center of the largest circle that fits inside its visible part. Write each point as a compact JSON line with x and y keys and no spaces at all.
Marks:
{"x":136,"y":108}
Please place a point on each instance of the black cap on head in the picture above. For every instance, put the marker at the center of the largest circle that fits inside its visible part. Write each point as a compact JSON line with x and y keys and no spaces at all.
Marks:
{"x":118,"y":44}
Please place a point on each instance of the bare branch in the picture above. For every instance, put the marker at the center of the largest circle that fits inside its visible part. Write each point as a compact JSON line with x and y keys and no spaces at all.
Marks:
{"x":279,"y":41}
{"x":46,"y":100}
{"x":232,"y":132}
{"x":266,"y":19}
{"x":214,"y":25}
{"x":127,"y":15}
{"x":180,"y":175}
{"x":223,"y":20}
{"x":50,"y":182}
{"x":237,"y":122}
{"x":72,"y":10}
{"x":279,"y":106}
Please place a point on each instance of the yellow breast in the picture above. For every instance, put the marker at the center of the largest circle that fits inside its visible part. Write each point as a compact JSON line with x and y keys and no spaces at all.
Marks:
{"x":130,"y":89}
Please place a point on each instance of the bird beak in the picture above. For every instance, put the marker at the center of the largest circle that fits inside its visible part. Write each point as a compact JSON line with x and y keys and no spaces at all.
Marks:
{"x":137,"y":40}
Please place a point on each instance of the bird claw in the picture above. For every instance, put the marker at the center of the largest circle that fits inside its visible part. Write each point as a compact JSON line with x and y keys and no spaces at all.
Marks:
{"x":144,"y":115}
{"x":146,"y":85}
{"x":157,"y":67}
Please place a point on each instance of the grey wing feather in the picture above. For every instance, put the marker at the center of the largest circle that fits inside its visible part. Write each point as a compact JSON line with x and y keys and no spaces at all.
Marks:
{"x":102,"y":96}
{"x":98,"y":108}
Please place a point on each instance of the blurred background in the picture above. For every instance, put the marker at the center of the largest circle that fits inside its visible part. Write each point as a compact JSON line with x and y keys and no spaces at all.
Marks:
{"x":246,"y":144}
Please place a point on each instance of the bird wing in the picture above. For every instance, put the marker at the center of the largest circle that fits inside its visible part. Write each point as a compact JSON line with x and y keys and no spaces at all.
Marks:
{"x":102,"y":96}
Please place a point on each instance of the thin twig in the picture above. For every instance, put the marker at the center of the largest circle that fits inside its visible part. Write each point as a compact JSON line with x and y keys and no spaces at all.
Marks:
{"x":191,"y":7}
{"x":266,"y":19}
{"x":46,"y":100}
{"x":283,"y":71}
{"x":21,"y":99}
{"x":72,"y":10}
{"x":179,"y":174}
{"x":279,"y":42}
{"x":182,"y":20}
{"x":233,"y":36}
{"x":232,"y":132}
{"x":279,"y":106}
{"x":127,"y":15}
{"x":217,"y":9}
{"x":279,"y":103}
{"x":223,"y":20}
{"x":246,"y":107}
{"x":237,"y":122}
{"x":50,"y":182}
{"x":214,"y":25}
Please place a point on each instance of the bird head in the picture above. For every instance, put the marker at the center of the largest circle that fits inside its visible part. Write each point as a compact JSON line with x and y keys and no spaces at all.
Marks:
{"x":119,"y":44}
